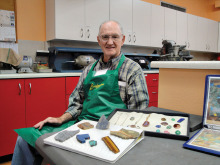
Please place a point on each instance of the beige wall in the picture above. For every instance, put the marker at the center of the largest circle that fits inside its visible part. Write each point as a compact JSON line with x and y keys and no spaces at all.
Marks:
{"x":183,"y":89}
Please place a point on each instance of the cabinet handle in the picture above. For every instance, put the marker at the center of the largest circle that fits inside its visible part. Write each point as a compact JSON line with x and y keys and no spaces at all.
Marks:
{"x":88,"y":33}
{"x":19,"y":85}
{"x":134,"y":36}
{"x":155,"y":79}
{"x":129,"y":38}
{"x":81,"y":31}
{"x":154,"y":92}
{"x":30,"y":88}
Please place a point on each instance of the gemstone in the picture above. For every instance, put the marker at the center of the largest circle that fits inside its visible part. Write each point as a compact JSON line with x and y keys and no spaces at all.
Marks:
{"x":82,"y":138}
{"x":103,"y":123}
{"x":133,"y":126}
{"x":177,"y":132}
{"x":173,"y":119}
{"x":85,"y":125}
{"x":177,"y":126}
{"x":164,"y":123}
{"x":146,"y":124}
{"x":163,"y":119}
{"x":166,"y":132}
{"x":110,"y":144}
{"x":92,"y":143}
{"x":132,"y":118}
{"x":169,"y":127}
{"x":157,"y":130}
{"x":158,"y":126}
{"x":65,"y":135}
{"x":180,"y":120}
{"x":125,"y":134}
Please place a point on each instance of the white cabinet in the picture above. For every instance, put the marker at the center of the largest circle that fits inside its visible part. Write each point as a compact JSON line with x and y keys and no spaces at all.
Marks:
{"x":181,"y":30}
{"x":141,"y":23}
{"x":207,"y":38}
{"x":121,"y":11}
{"x":75,"y":19}
{"x":191,"y":31}
{"x":212,"y":40}
{"x":170,"y":24}
{"x":157,"y":25}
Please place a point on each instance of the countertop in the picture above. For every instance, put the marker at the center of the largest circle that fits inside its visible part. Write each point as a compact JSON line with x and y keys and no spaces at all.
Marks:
{"x":53,"y":74}
{"x":186,"y":64}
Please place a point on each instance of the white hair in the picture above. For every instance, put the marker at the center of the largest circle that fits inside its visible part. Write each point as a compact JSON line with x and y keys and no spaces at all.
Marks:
{"x":114,"y":22}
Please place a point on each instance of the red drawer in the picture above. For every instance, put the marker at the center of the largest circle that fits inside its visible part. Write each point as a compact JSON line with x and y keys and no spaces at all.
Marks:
{"x":154,"y":104}
{"x":153,"y":93}
{"x":71,"y":83}
{"x":152,"y":79}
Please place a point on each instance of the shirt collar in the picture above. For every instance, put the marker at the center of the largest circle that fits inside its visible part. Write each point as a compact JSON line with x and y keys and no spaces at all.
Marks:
{"x":113,"y":61}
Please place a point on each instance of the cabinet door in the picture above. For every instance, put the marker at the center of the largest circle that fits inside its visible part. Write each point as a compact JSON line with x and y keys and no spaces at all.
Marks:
{"x":96,"y":12}
{"x":44,"y":97}
{"x":212,"y":35}
{"x":192,"y":31}
{"x":141,"y":23}
{"x":71,"y":83}
{"x":170,"y":24}
{"x":12,"y":114}
{"x":66,"y":18}
{"x":181,"y":33}
{"x":121,"y":11}
{"x":157,"y":25}
{"x":202,"y":34}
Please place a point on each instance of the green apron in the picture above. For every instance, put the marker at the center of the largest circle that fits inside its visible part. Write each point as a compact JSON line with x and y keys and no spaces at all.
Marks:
{"x":102,"y":96}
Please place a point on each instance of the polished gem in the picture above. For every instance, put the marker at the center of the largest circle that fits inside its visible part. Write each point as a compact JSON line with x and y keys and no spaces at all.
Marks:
{"x":166,"y":132}
{"x":103,"y":123}
{"x":157,"y":130}
{"x":158,"y":126}
{"x":180,"y":120}
{"x":178,"y":132}
{"x":164,"y":123}
{"x":177,"y":126}
{"x":173,"y":119}
{"x":169,"y":127}
{"x":92,"y":143}
{"x":146,"y":124}
{"x":163,"y":119}
{"x":125,"y":134}
{"x":132,"y":118}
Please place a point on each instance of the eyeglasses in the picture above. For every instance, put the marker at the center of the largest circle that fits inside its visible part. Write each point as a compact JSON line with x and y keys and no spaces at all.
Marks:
{"x":115,"y":38}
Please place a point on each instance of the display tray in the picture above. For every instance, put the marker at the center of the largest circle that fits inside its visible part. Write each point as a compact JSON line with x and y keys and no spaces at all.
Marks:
{"x":162,"y":124}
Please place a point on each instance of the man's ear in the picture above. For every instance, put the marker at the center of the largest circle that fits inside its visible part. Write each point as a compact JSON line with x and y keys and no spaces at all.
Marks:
{"x":123,"y":40}
{"x":98,"y":40}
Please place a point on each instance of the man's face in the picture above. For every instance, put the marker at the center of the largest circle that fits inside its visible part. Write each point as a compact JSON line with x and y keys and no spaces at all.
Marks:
{"x":110,"y":40}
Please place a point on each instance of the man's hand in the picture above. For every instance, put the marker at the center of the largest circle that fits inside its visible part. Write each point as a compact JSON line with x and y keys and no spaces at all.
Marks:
{"x":54,"y":120}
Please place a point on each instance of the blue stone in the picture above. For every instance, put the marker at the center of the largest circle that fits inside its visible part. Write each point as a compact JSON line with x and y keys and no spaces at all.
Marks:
{"x":158,"y":126}
{"x":92,"y":143}
{"x":103,"y":123}
{"x":180,"y":120}
{"x":82,"y":137}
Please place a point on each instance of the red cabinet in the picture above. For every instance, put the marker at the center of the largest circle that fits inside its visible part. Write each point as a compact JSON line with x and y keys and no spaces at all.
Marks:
{"x":44,"y":97}
{"x":152,"y":84}
{"x":71,"y":83}
{"x":24,"y":102}
{"x":12,"y":113}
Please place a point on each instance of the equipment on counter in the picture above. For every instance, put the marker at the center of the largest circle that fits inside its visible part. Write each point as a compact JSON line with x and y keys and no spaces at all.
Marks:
{"x":82,"y":60}
{"x":172,"y":52}
{"x":25,"y":65}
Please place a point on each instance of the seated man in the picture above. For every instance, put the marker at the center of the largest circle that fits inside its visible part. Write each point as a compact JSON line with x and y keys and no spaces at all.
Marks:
{"x":113,"y":81}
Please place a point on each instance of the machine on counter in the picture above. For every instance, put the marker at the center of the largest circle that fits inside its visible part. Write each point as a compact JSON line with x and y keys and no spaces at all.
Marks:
{"x":172,"y":52}
{"x":11,"y":62}
{"x":66,"y":59}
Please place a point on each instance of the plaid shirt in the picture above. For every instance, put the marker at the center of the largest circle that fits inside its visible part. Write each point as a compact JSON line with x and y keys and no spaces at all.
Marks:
{"x":134,"y":94}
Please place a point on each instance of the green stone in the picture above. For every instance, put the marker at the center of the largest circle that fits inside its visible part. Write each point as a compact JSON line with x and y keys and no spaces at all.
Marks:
{"x":177,"y":132}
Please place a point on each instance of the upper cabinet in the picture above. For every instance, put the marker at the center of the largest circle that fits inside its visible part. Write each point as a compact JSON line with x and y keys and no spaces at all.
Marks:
{"x":170,"y":26}
{"x":75,"y":19}
{"x":157,"y":26}
{"x":141,"y":23}
{"x":181,"y":28}
{"x":144,"y":24}
{"x":192,"y":21}
{"x":121,"y":11}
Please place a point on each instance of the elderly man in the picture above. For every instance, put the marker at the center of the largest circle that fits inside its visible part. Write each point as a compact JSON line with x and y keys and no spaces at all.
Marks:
{"x":113,"y":81}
